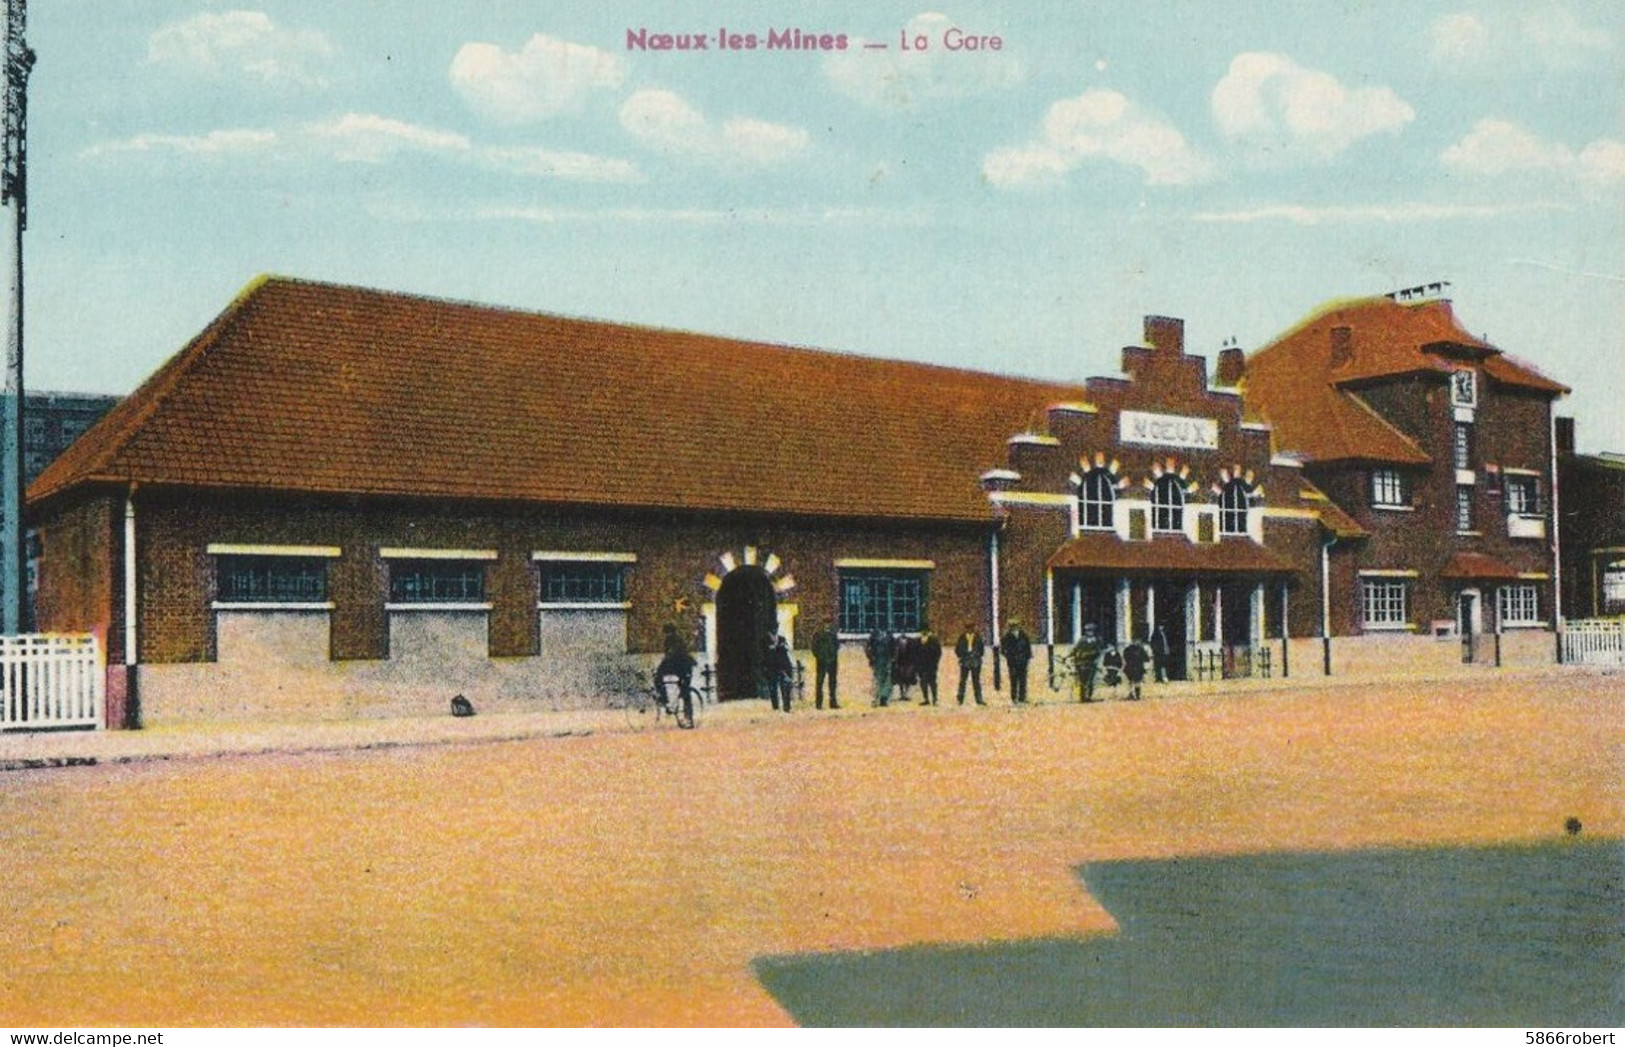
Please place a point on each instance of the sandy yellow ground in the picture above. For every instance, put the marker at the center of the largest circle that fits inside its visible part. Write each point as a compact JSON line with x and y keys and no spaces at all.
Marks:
{"x":630,"y":879}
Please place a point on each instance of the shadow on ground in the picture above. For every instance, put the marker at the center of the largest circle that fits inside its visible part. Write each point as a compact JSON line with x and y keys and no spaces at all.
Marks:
{"x":1500,"y":936}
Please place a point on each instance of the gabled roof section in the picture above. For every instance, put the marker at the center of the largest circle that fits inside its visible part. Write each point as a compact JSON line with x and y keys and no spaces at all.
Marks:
{"x":317,"y":388}
{"x":1305,"y":382}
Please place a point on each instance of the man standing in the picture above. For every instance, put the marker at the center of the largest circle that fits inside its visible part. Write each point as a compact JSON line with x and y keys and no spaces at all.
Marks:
{"x":1018,"y":654}
{"x":930,"y":653}
{"x":969,"y":649}
{"x":826,"y":650}
{"x":1085,"y":657}
{"x":1135,"y":657}
{"x":781,"y":674}
{"x":1160,"y":651}
{"x":882,"y":651}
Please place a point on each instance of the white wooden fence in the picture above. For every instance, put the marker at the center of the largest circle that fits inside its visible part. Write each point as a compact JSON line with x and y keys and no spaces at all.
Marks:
{"x":1595,"y":641}
{"x":51,"y":680}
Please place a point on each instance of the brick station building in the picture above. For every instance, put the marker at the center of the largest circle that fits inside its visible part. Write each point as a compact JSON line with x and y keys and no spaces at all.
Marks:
{"x":338,"y":502}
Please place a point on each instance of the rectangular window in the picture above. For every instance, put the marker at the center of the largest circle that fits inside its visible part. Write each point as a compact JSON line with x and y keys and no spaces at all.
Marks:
{"x":436,"y":581}
{"x":1518,"y":605}
{"x":1464,"y":508}
{"x":1523,"y":495}
{"x":1384,"y":603}
{"x":1388,"y":488}
{"x":271,"y":579}
{"x":584,"y":582}
{"x":891,"y":601}
{"x":1464,"y":446}
{"x":1613,"y":588}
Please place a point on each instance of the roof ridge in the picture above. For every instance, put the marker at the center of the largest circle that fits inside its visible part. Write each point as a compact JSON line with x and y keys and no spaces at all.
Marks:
{"x":652,"y":328}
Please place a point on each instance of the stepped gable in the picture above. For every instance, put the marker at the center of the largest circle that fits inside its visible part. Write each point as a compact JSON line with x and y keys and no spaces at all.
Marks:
{"x":317,"y":388}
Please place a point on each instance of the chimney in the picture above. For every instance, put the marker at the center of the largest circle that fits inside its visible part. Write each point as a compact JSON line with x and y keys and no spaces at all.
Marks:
{"x":1165,"y":334}
{"x":1342,"y":345}
{"x":1565,"y":436}
{"x":1232,"y":364}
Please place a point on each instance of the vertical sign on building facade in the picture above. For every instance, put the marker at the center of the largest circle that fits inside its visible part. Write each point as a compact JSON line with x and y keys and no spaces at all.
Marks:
{"x":19,"y":61}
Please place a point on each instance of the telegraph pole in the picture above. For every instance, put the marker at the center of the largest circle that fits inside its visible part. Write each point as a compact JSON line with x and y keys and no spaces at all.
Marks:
{"x":19,"y":60}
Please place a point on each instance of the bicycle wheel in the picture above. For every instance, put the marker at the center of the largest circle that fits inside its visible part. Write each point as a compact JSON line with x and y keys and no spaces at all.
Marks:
{"x":641,"y":710}
{"x":687,"y":710}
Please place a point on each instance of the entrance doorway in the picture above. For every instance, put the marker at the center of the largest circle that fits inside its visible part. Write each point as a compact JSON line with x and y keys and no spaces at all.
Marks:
{"x":1466,"y":613}
{"x":747,"y":615}
{"x":1169,"y":600}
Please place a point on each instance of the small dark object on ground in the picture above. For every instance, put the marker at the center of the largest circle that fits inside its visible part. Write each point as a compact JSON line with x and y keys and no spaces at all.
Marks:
{"x":1572,"y":826}
{"x":461,"y":706}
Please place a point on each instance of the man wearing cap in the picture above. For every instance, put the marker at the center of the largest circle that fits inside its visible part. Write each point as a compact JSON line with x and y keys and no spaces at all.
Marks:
{"x":1018,"y":654}
{"x":969,"y":648}
{"x":1085,"y":657}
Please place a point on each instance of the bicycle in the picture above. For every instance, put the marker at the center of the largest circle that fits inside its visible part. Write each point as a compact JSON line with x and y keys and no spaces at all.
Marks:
{"x":645,"y":706}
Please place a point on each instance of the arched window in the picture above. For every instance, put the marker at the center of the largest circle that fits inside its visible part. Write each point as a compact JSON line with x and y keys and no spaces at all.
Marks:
{"x":1233,"y":507}
{"x":1168,"y":504}
{"x":1095,"y":500}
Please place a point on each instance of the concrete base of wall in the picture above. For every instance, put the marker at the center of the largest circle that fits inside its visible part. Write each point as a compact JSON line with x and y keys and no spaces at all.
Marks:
{"x":273,"y":666}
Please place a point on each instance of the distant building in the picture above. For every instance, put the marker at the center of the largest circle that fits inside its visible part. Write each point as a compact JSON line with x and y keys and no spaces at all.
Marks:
{"x":52,"y":421}
{"x":1592,"y":525}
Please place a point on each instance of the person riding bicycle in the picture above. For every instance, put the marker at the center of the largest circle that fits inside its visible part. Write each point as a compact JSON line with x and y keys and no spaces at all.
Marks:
{"x":677,"y":663}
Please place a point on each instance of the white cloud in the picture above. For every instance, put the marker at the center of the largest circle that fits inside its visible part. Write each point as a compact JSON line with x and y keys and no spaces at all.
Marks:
{"x":214,"y":143}
{"x":897,"y":79}
{"x":1458,"y":38}
{"x":544,"y":78}
{"x":666,"y":123}
{"x":369,"y":138}
{"x":1549,"y":36}
{"x":574,"y":167}
{"x":1299,"y":214}
{"x":1498,"y":147}
{"x":244,"y":44}
{"x":1098,"y":125}
{"x":1282,"y":111}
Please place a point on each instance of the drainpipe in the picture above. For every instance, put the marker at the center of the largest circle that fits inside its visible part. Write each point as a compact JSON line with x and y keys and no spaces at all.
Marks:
{"x":993,"y":580}
{"x":132,"y":704}
{"x":1286,"y":637}
{"x":1557,"y":541}
{"x":1326,"y":545}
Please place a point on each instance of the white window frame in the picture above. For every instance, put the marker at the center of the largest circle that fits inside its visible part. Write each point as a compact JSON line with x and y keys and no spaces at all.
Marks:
{"x":1385,"y":604}
{"x":547,"y":559}
{"x":1517,"y":606}
{"x":1523,"y":482}
{"x":1167,"y":515}
{"x":1090,"y":503}
{"x":1389,"y":489}
{"x":1235,"y":499}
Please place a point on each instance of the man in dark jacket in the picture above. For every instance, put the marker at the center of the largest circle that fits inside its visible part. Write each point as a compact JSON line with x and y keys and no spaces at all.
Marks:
{"x":677,"y":664}
{"x":1085,"y":661}
{"x":781,"y":674}
{"x":1018,"y":654}
{"x":826,"y":649}
{"x":969,"y":648}
{"x":882,"y":651}
{"x":930,"y":654}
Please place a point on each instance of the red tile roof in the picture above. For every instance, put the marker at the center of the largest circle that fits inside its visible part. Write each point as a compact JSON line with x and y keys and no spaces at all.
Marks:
{"x":1477,"y":565}
{"x":1171,"y":554}
{"x":307,"y":387}
{"x":1306,"y":390}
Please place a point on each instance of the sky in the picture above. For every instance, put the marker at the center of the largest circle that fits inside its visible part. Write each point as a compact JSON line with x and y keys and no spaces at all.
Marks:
{"x":1018,"y":210}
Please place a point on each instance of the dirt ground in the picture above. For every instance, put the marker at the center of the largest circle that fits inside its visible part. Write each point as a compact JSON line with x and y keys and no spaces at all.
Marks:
{"x":630,"y":879}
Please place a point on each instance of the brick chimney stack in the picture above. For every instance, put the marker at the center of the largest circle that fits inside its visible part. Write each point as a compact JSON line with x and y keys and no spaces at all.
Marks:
{"x":1165,"y":334}
{"x":1232,"y":365}
{"x":1342,"y":345}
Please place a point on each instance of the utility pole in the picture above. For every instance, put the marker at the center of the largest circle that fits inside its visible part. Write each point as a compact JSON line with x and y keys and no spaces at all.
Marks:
{"x":19,"y":61}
